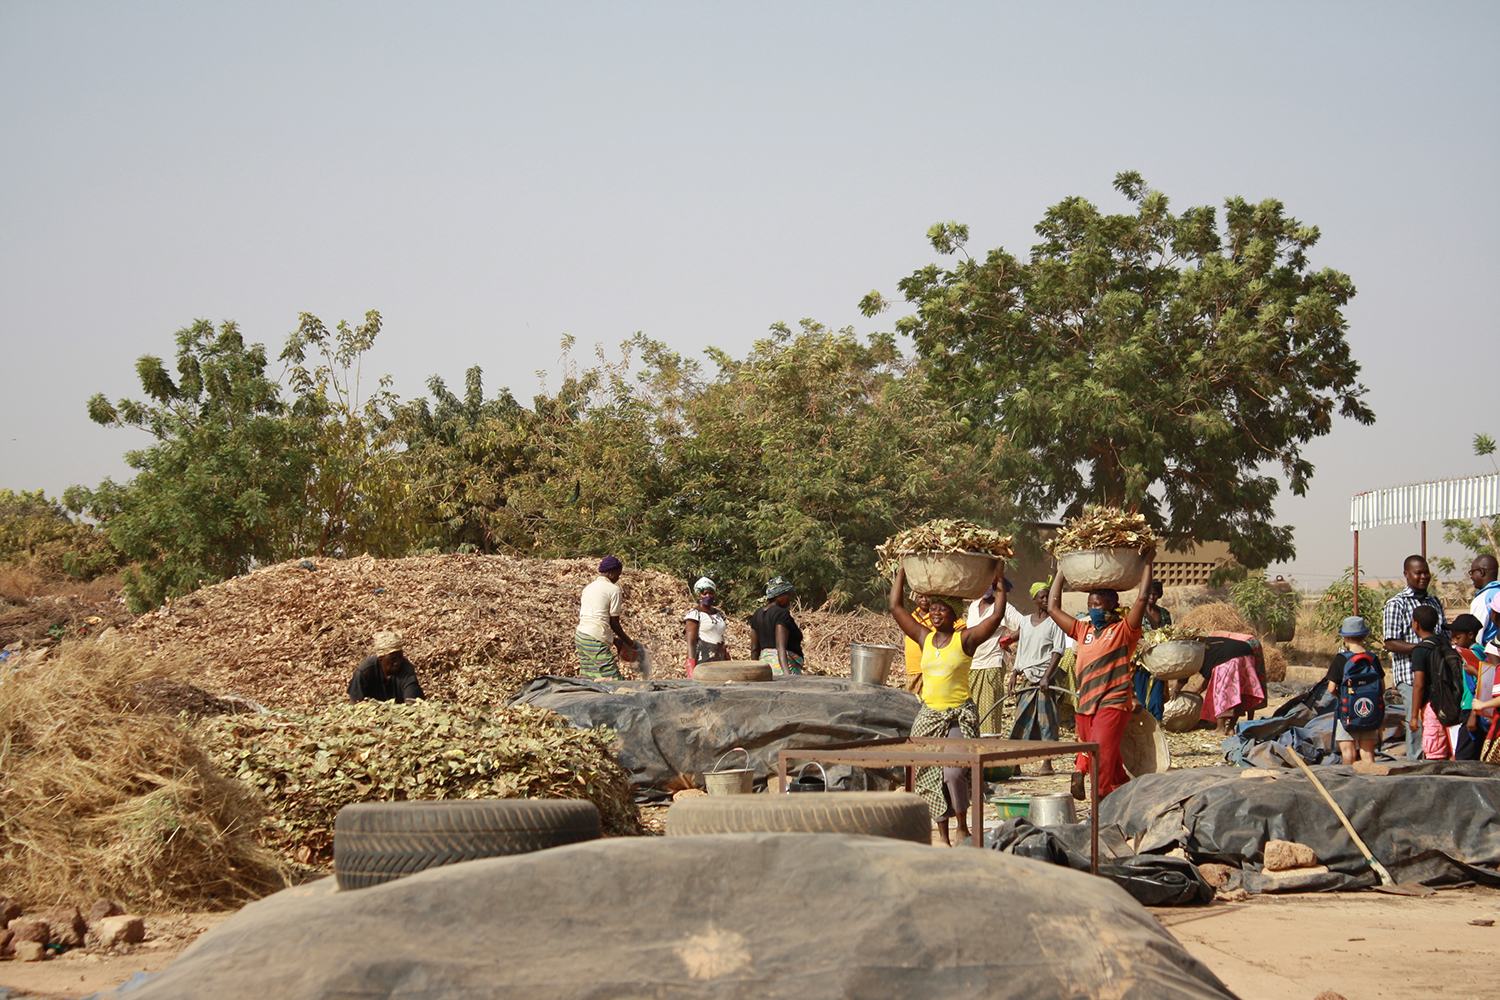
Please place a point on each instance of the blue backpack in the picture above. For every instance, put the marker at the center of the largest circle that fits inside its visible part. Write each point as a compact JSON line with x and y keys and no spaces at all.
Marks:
{"x":1362,"y":693}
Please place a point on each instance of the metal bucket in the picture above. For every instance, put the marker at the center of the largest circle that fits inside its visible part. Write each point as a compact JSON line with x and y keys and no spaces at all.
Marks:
{"x":1052,"y":809}
{"x":801,"y":784}
{"x":870,"y":664}
{"x":730,"y":780}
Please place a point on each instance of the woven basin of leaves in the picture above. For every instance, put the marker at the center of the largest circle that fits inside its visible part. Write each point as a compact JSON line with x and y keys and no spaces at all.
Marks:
{"x":1104,"y":528}
{"x":310,"y":765}
{"x":942,"y":535}
{"x":1169,"y":633}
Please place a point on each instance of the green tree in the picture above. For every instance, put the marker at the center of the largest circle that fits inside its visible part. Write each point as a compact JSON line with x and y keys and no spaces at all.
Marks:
{"x":462,"y":456}
{"x":1148,"y":360}
{"x":36,"y":532}
{"x":1477,"y":536}
{"x":223,"y":480}
{"x":796,"y":460}
{"x":356,"y":497}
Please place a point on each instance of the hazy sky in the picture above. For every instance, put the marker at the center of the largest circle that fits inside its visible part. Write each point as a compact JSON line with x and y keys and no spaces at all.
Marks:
{"x":493,"y":176}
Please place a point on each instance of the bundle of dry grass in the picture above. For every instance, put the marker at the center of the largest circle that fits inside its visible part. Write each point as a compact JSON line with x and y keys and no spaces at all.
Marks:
{"x":1276,"y":664}
{"x":99,"y":799}
{"x":1220,"y":616}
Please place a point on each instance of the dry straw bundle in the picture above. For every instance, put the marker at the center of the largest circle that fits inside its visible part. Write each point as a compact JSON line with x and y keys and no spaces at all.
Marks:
{"x":99,"y":799}
{"x":1276,"y":664}
{"x":1219,"y":616}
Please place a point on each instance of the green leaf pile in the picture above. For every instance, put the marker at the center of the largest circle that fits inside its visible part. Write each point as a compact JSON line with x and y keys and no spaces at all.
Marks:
{"x":942,"y":535}
{"x":310,"y":765}
{"x":1104,"y":528}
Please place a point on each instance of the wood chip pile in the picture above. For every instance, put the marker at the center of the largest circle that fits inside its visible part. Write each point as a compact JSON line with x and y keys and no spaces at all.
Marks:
{"x":476,"y":627}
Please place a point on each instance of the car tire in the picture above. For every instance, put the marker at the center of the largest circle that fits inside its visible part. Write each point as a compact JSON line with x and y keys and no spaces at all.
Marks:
{"x":898,"y":815}
{"x":375,"y":842}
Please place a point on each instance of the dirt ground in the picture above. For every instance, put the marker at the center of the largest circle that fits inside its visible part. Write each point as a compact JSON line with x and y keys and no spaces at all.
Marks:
{"x":79,"y":974}
{"x":1362,"y":945}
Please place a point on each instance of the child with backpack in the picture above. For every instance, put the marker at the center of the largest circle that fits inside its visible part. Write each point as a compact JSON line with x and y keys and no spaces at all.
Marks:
{"x":1437,"y":685}
{"x":1356,"y":679}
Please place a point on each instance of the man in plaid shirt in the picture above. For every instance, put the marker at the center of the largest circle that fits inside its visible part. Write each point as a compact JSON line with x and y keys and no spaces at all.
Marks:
{"x":1401,"y":637}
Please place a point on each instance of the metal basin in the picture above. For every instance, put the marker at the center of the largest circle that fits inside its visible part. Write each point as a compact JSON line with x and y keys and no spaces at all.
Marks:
{"x":870,"y":664}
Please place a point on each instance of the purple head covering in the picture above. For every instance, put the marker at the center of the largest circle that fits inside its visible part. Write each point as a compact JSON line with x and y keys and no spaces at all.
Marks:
{"x":609,"y":564}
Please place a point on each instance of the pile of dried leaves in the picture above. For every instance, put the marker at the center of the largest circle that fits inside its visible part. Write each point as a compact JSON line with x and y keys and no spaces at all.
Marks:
{"x":1104,"y":528}
{"x":478,"y":628}
{"x":942,"y":535}
{"x":309,"y":766}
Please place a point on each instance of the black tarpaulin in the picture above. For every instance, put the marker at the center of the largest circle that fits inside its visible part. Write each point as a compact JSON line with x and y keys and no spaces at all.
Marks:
{"x":747,"y":916}
{"x":670,"y":728}
{"x":1435,"y":822}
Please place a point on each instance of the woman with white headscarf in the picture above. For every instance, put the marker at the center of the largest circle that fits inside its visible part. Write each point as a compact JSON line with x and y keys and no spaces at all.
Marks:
{"x":704,"y":627}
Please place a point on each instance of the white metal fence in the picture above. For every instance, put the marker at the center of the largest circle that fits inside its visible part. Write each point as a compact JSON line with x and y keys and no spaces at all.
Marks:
{"x":1458,"y":499}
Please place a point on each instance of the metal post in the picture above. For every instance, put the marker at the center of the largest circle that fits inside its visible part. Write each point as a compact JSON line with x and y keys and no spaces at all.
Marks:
{"x":1424,"y":539}
{"x":1356,"y":572}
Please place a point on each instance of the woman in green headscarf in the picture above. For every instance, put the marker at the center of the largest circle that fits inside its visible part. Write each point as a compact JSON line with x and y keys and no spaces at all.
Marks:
{"x":774,"y":636}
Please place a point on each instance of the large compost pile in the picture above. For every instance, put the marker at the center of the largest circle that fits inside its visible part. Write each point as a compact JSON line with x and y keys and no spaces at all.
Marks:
{"x":308,"y":766}
{"x":477,"y":627}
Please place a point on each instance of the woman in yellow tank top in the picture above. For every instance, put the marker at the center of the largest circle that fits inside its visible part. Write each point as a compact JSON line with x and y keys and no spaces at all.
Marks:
{"x":947,"y":708}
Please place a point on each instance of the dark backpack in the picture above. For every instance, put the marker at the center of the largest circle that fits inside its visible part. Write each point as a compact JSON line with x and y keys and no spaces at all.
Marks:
{"x":1362,"y":693}
{"x":1445,"y":679}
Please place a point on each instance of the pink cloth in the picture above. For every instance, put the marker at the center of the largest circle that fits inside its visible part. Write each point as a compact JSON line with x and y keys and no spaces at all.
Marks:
{"x":1235,"y":686}
{"x":1435,"y":745}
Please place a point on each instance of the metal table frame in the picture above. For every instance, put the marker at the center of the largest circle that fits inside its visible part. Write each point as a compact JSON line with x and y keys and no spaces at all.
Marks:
{"x":912,"y":753}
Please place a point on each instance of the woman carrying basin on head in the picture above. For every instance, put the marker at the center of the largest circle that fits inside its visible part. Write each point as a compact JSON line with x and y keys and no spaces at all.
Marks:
{"x":948,"y":708}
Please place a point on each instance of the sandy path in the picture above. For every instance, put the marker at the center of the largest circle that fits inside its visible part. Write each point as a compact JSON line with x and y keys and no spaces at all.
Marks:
{"x":1297,"y":946}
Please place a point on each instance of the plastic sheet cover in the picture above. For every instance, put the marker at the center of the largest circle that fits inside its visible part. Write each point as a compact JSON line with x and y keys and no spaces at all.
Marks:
{"x":674,"y":728}
{"x":1436,"y":822}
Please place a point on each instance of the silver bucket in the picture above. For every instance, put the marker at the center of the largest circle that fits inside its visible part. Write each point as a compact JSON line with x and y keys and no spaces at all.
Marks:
{"x":730,"y":780}
{"x":1052,"y":809}
{"x":870,"y":664}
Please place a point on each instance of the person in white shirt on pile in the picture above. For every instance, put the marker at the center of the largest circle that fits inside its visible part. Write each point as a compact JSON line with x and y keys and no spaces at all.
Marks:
{"x":600,"y":634}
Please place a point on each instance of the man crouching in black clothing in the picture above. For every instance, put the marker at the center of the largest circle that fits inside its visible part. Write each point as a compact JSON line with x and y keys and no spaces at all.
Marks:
{"x":386,"y":676}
